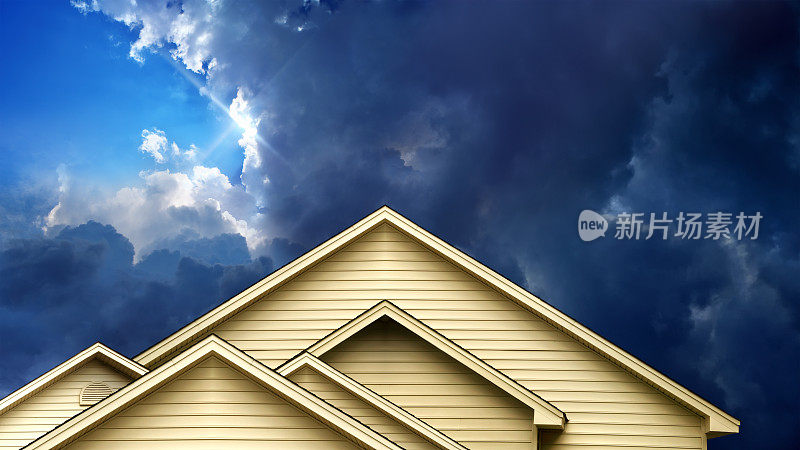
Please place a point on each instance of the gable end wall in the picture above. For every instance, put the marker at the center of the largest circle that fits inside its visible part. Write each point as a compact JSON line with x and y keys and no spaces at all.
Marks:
{"x":54,"y":404}
{"x":606,"y":406}
{"x":212,"y":406}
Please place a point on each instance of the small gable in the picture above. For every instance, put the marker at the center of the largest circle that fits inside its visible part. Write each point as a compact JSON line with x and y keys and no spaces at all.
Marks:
{"x":400,"y":366}
{"x":362,"y":411}
{"x":212,"y":406}
{"x":57,"y":402}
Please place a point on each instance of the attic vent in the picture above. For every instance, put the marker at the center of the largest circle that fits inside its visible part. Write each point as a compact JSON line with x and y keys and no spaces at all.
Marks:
{"x":93,"y":393}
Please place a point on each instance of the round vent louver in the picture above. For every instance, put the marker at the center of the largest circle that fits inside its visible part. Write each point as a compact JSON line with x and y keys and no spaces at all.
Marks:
{"x":93,"y":393}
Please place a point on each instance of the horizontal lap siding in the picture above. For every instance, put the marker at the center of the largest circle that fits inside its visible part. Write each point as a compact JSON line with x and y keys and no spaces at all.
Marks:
{"x":433,"y":387}
{"x":212,"y":406}
{"x":360,"y":410}
{"x":386,"y":264}
{"x":55,"y":404}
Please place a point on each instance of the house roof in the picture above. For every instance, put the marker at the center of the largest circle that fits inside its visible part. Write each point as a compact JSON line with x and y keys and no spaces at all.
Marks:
{"x":95,"y":351}
{"x":397,"y":413}
{"x":545,"y":414}
{"x":718,"y":422}
{"x":217,"y":347}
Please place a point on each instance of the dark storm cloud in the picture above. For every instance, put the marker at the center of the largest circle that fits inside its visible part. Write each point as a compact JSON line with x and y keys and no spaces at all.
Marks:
{"x":478,"y":104}
{"x":226,"y":249}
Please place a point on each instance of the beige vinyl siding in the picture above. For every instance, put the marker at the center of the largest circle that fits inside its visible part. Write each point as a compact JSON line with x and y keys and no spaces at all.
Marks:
{"x":434,"y":387}
{"x":359,"y":409}
{"x":212,"y":406}
{"x":54,"y":404}
{"x":599,"y":397}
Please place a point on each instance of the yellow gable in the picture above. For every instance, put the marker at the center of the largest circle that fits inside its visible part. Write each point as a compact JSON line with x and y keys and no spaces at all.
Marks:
{"x":424,"y":341}
{"x":599,"y":398}
{"x":212,"y":406}
{"x":608,"y":396}
{"x":55,"y":403}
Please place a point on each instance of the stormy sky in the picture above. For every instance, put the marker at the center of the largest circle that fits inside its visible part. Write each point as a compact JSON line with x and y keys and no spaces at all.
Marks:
{"x":160,"y":156}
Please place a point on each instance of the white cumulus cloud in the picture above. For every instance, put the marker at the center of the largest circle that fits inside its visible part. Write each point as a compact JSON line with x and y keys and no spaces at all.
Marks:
{"x":236,"y":49}
{"x":185,"y":24}
{"x":165,"y":204}
{"x":154,"y":143}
